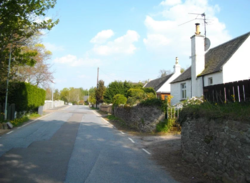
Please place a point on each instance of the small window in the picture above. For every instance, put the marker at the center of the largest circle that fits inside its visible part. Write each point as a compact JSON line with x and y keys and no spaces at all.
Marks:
{"x":210,"y":81}
{"x":183,"y":91}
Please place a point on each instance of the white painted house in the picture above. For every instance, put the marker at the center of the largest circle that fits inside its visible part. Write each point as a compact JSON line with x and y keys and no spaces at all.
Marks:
{"x":225,"y":63}
{"x":162,"y":85}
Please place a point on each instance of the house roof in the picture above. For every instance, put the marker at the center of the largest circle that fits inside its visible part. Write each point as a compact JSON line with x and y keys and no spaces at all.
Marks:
{"x":216,"y":57}
{"x":157,"y":83}
{"x":186,"y":75}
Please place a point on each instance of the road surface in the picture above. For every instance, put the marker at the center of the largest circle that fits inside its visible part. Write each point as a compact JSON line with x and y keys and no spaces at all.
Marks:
{"x":75,"y":145}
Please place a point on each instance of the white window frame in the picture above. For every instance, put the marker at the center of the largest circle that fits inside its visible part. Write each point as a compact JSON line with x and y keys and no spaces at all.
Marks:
{"x":183,"y":90}
{"x":210,"y":81}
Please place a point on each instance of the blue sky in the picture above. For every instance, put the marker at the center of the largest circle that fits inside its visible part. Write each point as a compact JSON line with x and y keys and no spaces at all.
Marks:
{"x":133,"y":40}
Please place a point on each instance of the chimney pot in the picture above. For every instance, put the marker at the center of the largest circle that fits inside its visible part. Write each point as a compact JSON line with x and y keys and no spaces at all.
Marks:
{"x":197,"y":29}
{"x":176,"y":60}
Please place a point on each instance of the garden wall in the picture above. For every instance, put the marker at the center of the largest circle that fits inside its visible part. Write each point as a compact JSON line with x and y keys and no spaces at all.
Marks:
{"x":220,"y":148}
{"x":49,"y":104}
{"x":142,"y":118}
{"x":106,"y":108}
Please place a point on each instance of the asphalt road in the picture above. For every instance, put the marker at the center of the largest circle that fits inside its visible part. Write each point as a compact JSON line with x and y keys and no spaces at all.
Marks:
{"x":75,"y":145}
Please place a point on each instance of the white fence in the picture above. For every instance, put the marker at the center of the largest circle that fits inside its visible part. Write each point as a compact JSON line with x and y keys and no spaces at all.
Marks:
{"x":49,"y":104}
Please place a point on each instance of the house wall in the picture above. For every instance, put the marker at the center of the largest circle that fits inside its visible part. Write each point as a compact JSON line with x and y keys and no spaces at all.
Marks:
{"x":165,"y":88}
{"x":217,"y":78}
{"x":237,"y":68}
{"x":176,"y":91}
{"x":162,"y":96}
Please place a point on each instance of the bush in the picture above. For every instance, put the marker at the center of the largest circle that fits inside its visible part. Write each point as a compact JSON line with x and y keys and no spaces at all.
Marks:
{"x":165,"y":125}
{"x":149,"y":90}
{"x":119,"y":99}
{"x":136,"y":93}
{"x":196,"y":108}
{"x":25,"y":96}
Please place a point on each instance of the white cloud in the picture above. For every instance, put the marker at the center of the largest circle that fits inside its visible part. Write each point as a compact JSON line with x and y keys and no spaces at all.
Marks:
{"x":168,"y":36}
{"x":53,"y":47}
{"x":73,"y":61}
{"x":102,"y":36}
{"x":121,"y":45}
{"x":170,"y":2}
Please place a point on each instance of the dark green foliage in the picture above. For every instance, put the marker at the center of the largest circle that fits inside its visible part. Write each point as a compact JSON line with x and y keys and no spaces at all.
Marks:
{"x":149,"y":90}
{"x":165,"y":126}
{"x":25,"y":96}
{"x":232,"y":111}
{"x":119,"y":99}
{"x":136,"y":93}
{"x":99,"y":92}
{"x":162,"y":104}
{"x":116,"y":87}
{"x":18,"y":25}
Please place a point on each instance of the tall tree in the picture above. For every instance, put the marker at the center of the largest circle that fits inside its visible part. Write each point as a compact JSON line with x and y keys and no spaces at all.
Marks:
{"x":19,"y":20}
{"x":99,"y":92}
{"x":56,"y":95}
{"x":39,"y":74}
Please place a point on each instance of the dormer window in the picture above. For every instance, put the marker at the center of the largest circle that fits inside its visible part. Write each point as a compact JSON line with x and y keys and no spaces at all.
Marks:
{"x":210,"y":81}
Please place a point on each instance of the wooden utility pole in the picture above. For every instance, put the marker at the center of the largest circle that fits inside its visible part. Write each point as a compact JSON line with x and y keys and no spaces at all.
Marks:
{"x":97,"y":83}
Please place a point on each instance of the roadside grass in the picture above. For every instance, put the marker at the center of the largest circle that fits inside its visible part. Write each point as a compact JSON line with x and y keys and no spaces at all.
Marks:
{"x":19,"y":121}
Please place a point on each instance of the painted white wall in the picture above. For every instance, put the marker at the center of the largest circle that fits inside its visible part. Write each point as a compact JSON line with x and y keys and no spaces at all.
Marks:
{"x":237,"y":68}
{"x":165,"y":88}
{"x":217,"y":78}
{"x":176,"y":91}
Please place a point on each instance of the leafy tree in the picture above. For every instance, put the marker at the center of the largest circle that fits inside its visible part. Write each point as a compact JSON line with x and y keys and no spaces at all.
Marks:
{"x":56,"y":95}
{"x":99,"y":92}
{"x":20,"y":20}
{"x":116,"y":87}
{"x":39,"y":74}
{"x":64,"y":94}
{"x":48,"y":94}
{"x":164,"y":73}
{"x":92,"y":98}
{"x":182,"y":70}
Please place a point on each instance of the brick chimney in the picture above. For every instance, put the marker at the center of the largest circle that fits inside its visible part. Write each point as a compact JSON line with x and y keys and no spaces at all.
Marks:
{"x":198,"y":61}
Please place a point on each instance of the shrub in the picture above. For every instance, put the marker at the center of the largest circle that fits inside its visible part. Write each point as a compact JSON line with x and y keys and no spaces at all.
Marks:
{"x":131,"y":101}
{"x":25,"y":96}
{"x":136,"y":93}
{"x":119,"y":99}
{"x":149,"y":90}
{"x":165,"y":126}
{"x":196,"y":108}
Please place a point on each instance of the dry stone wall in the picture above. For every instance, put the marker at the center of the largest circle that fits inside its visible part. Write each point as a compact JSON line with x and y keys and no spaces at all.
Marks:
{"x":142,"y":118}
{"x":220,"y":148}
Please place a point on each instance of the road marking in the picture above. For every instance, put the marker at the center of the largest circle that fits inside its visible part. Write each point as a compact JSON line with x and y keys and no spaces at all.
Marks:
{"x":146,"y":151}
{"x":122,"y":132}
{"x":10,"y":132}
{"x":131,"y":140}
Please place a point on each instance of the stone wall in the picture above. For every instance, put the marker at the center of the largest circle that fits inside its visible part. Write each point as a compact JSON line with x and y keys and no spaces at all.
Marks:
{"x":142,"y":118}
{"x":106,"y":108}
{"x":219,"y":148}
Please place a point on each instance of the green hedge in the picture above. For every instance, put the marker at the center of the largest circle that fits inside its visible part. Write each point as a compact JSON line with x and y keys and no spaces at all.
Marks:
{"x":25,"y":96}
